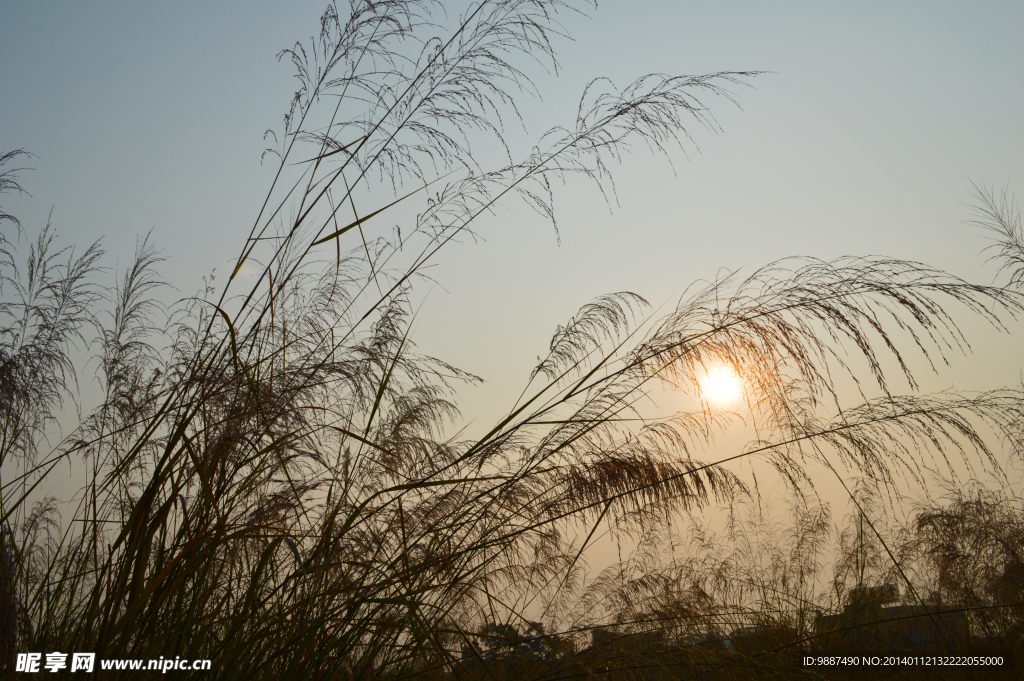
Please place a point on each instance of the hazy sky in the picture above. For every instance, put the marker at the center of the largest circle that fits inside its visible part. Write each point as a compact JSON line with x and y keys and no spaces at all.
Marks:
{"x":862,"y":141}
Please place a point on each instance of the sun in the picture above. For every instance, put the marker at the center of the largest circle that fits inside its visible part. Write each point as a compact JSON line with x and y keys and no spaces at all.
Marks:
{"x":722,"y":387}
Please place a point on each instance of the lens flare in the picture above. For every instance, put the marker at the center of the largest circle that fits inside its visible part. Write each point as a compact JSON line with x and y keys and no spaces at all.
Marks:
{"x":252,"y":271}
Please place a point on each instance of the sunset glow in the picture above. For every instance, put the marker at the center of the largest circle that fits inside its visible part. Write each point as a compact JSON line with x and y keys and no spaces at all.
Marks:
{"x":722,"y":387}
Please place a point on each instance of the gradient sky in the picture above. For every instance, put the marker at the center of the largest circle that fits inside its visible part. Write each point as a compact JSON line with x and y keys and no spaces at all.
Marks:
{"x":863,"y":140}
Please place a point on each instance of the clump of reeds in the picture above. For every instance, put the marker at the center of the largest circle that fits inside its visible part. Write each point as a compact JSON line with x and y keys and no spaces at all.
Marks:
{"x":270,"y":482}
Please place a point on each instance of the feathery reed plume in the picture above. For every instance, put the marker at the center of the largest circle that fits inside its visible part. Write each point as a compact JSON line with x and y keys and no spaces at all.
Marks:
{"x":1001,"y":216}
{"x":278,"y":490}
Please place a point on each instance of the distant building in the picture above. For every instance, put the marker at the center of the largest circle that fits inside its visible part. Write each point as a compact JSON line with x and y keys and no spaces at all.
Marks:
{"x":606,"y":637}
{"x":867,"y":623}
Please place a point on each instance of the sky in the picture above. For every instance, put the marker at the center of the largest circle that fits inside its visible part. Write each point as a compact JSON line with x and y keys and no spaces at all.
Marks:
{"x":862,"y":137}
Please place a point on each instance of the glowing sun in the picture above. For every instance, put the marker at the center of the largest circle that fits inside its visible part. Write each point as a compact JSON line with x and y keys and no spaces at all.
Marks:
{"x":722,"y":387}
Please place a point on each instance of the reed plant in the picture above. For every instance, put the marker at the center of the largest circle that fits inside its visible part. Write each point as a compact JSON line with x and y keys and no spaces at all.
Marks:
{"x":270,"y":478}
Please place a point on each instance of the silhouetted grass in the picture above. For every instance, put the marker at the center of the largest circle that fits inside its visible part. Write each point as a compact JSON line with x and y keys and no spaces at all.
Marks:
{"x":270,"y":480}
